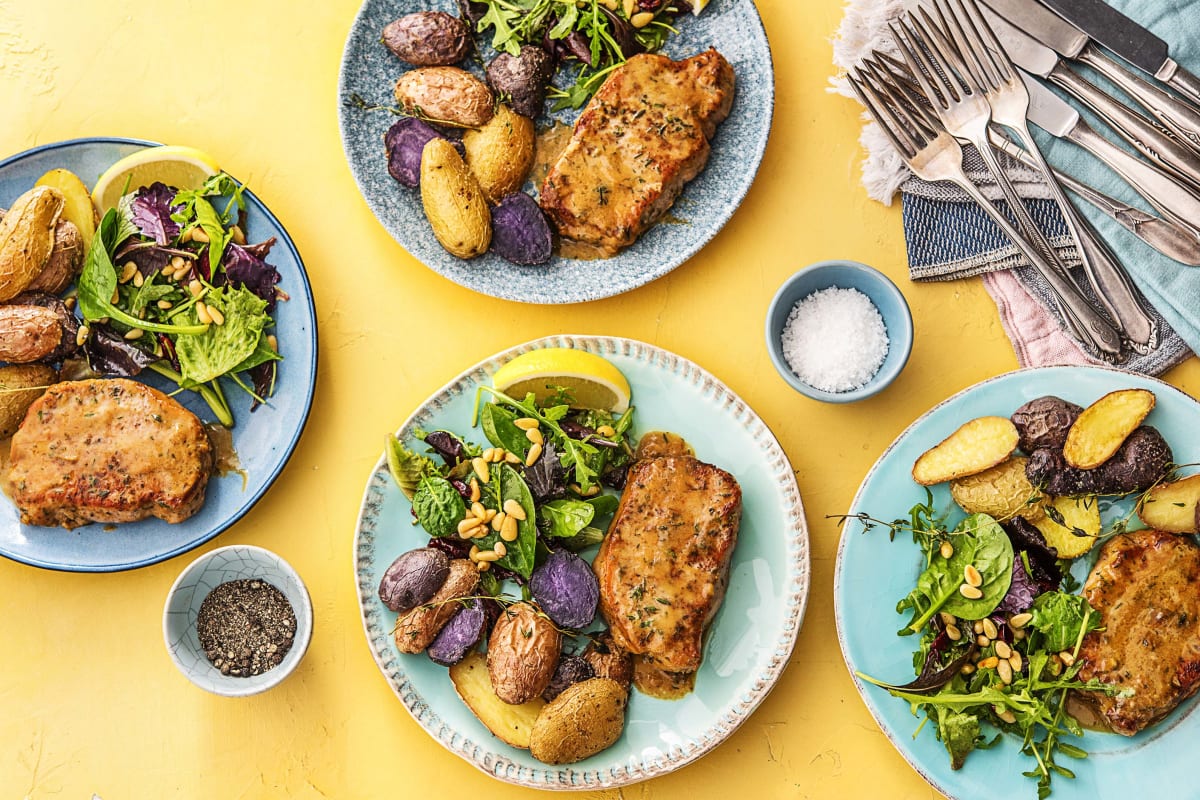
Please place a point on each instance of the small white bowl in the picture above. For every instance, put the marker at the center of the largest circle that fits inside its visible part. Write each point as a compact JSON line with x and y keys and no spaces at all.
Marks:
{"x":210,"y":570}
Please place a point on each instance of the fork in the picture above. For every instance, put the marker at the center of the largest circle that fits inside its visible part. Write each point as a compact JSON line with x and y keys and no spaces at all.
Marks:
{"x":934,"y":155}
{"x":1009,"y":101}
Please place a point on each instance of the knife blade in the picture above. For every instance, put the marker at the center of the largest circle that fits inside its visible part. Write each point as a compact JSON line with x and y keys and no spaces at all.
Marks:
{"x":1069,"y":42}
{"x":1055,"y":116}
{"x":1127,"y":39}
{"x":1150,"y":140}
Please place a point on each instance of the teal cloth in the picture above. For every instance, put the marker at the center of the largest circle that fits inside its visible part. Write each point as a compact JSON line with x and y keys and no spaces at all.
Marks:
{"x":1173,"y":288}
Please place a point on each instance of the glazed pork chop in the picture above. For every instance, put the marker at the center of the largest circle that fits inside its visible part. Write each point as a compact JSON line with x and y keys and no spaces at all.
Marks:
{"x":108,"y":451}
{"x":664,"y":564}
{"x":644,"y":134}
{"x":1146,"y":586}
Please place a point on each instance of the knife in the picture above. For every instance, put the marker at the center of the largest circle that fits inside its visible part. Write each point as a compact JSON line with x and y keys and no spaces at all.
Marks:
{"x":1129,"y":40}
{"x":1150,"y":140}
{"x":1055,"y":116}
{"x":1069,"y":42}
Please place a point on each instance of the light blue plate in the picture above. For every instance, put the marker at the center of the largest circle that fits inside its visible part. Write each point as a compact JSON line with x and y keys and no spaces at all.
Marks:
{"x":263,"y":440}
{"x":873,"y":574}
{"x":749,"y":641}
{"x":733,"y":27}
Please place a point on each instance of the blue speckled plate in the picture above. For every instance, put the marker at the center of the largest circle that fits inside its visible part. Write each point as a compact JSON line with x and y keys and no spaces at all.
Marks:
{"x":750,"y":639}
{"x":872,"y":574}
{"x":707,"y":203}
{"x":264,"y":440}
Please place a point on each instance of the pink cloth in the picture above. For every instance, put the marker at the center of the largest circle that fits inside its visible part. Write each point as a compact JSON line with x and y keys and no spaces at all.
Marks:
{"x":1035,"y":336}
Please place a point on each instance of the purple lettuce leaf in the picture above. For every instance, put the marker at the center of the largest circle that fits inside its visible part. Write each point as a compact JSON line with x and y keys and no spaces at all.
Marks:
{"x":244,"y":266}
{"x":1021,"y":591}
{"x":151,"y":213}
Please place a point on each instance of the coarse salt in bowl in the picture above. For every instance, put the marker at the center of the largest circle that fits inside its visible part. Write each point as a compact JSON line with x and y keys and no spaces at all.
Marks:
{"x":839,"y":331}
{"x":231,"y":563}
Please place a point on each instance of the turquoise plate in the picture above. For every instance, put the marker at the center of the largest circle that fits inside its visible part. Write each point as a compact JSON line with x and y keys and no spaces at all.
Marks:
{"x":264,"y":440}
{"x":749,"y":641}
{"x":370,"y":71}
{"x":873,"y":574}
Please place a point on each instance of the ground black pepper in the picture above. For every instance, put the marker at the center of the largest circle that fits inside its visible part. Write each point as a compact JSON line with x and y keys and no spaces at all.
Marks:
{"x":246,"y":627}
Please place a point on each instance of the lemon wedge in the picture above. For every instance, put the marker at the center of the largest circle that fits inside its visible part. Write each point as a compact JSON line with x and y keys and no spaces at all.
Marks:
{"x":591,"y":381}
{"x":698,"y":6}
{"x":176,"y":166}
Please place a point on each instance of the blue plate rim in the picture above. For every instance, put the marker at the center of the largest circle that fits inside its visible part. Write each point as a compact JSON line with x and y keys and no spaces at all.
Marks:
{"x":678,"y":256}
{"x":251,"y":500}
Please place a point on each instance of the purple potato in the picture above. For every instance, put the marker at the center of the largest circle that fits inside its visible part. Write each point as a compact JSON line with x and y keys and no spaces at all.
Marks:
{"x":520,"y":233}
{"x":523,"y":79}
{"x":413,"y":578}
{"x":428,"y":39}
{"x":404,"y":142}
{"x":570,"y":670}
{"x":566,"y":589}
{"x":462,"y":632}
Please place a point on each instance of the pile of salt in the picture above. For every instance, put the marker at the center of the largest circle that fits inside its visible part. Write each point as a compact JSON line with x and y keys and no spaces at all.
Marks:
{"x":835,"y":340}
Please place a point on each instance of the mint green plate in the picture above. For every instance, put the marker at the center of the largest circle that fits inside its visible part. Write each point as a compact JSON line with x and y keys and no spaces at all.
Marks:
{"x":749,"y":641}
{"x":872,"y":574}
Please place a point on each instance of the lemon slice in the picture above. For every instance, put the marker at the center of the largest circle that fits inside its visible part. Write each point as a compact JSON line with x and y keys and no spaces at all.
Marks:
{"x":591,"y":380}
{"x":176,"y":166}
{"x":698,"y":6}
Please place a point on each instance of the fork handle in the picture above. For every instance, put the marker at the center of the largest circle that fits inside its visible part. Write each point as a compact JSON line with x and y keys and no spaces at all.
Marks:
{"x":1098,"y":333}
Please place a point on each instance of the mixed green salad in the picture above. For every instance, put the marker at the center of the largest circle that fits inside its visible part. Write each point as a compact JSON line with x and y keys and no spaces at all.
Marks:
{"x":171,"y":285}
{"x":997,"y":631}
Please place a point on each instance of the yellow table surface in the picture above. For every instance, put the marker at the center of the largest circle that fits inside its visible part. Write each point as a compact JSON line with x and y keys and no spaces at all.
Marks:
{"x":90,"y":702}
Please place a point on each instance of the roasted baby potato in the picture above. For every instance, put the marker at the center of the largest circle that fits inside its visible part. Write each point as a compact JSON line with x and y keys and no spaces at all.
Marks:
{"x":570,"y":671}
{"x":1143,"y":459}
{"x":446,"y":96}
{"x":461,"y":634}
{"x":1103,"y":426}
{"x":512,"y":724}
{"x":1002,"y":492}
{"x":413,"y":578}
{"x":979,"y":444}
{"x":1070,"y":525}
{"x":565,"y":587}
{"x":520,"y":233}
{"x":585,"y":719}
{"x":608,"y":660}
{"x":27,"y":239}
{"x":405,"y":142}
{"x":417,"y":629}
{"x":77,"y":202}
{"x":523,"y":651}
{"x":28,"y":333}
{"x":1173,"y":507}
{"x":428,"y":39}
{"x":33,"y":379}
{"x":453,"y":201}
{"x":1044,"y":422}
{"x":500,"y":153}
{"x":65,"y":262}
{"x":522,"y":79}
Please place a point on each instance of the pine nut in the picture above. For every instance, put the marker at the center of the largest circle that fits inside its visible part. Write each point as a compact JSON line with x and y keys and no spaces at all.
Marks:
{"x":947,"y":550}
{"x":534,"y":435}
{"x":497,"y":455}
{"x":972,"y":576}
{"x":482,"y":566}
{"x":471,"y":532}
{"x":82,"y":334}
{"x":168,"y":271}
{"x":467,"y":523}
{"x":1008,"y":716}
{"x":611,"y":5}
{"x":526,"y":423}
{"x":236,"y":233}
{"x":488,"y":453}
{"x":982,"y":640}
{"x":1020,"y":620}
{"x":181,"y":273}
{"x":508,"y":529}
{"x":1067,"y":657}
{"x":514,"y":509}
{"x":273,"y":342}
{"x":1004,"y":669}
{"x":478,"y":510}
{"x":989,"y":628}
{"x":948,"y":619}
{"x":977,"y":626}
{"x":641,"y":20}
{"x":1019,"y":635}
{"x":164,"y":304}
{"x":630,"y":6}
{"x":535,"y":452}
{"x":202,"y":314}
{"x":195,"y":287}
{"x":475,"y":491}
{"x":69,"y":303}
{"x":592,"y":490}
{"x":1016,"y":661}
{"x":498,"y":520}
{"x":489,"y":515}
{"x":138,"y":279}
{"x":1002,"y":649}
{"x":116,"y":298}
{"x":481,"y":469}
{"x":500,"y":549}
{"x":989,"y":663}
{"x":512,"y":458}
{"x":967,"y":669}
{"x":127,"y":272}
{"x":134,"y":333}
{"x":177,"y":262}
{"x":953,"y":632}
{"x":487,"y":555}
{"x":474,"y":554}
{"x":607,"y":431}
{"x":970,"y":592}
{"x":217,"y":317}
{"x":199,"y":235}
{"x":187,"y":236}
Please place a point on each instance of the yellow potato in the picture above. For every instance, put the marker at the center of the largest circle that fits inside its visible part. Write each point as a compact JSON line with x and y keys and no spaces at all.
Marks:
{"x":585,"y":719}
{"x":77,"y":208}
{"x":20,"y":385}
{"x":511,"y":724}
{"x":1002,"y":492}
{"x":453,"y":201}
{"x":501,"y":153}
{"x":1098,"y":433}
{"x":523,"y":651}
{"x":1078,"y":535}
{"x":979,"y":444}
{"x":1173,"y":507}
{"x":27,"y":238}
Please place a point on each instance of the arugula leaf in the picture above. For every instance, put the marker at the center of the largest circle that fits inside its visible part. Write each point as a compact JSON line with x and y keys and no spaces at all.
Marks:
{"x":960,"y":732}
{"x":1060,"y":618}
{"x":223,"y":347}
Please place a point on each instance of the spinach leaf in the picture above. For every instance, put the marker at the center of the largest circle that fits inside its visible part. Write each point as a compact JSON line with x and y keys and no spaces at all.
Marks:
{"x":604,"y":504}
{"x":565,"y":518}
{"x":223,"y":347}
{"x":993,"y":557}
{"x":506,"y":484}
{"x":406,"y":467}
{"x":586,"y":538}
{"x":1060,"y":618}
{"x":499,"y":426}
{"x":439,"y":507}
